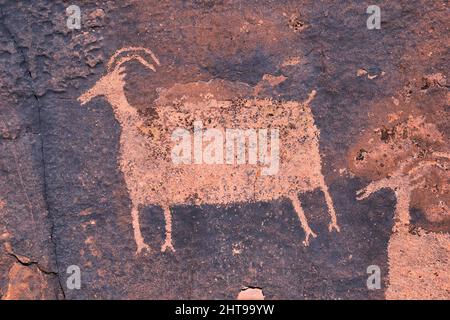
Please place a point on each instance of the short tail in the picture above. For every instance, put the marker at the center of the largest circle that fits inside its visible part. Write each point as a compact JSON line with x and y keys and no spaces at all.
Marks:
{"x":311,"y":97}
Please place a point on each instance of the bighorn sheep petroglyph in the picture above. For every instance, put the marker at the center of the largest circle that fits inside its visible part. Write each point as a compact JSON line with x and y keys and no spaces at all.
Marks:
{"x":408,"y":177}
{"x":151,"y":176}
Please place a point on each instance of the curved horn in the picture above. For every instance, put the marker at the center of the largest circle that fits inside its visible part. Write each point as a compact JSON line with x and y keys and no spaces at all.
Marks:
{"x":116,"y":60}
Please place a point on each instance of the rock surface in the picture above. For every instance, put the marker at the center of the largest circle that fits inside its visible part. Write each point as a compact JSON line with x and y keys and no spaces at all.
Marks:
{"x":381,"y":107}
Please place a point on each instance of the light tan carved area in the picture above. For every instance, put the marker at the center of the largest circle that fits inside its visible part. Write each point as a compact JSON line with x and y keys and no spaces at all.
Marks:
{"x":26,"y":283}
{"x":145,"y":146}
{"x":250,"y":294}
{"x":411,"y":158}
{"x":419,"y":266}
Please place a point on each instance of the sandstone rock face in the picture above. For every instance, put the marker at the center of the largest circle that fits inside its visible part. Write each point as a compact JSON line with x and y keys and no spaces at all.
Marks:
{"x":86,"y":178}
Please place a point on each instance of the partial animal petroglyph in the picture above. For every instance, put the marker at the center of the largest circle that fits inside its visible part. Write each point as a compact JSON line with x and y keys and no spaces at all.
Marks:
{"x":145,"y":149}
{"x":410,"y":176}
{"x":418,"y":266}
{"x":410,"y":159}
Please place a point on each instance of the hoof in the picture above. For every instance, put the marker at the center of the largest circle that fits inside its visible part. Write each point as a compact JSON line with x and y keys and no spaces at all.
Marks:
{"x":334,"y":226}
{"x":306,"y":241}
{"x":167,"y":246}
{"x":141,"y":249}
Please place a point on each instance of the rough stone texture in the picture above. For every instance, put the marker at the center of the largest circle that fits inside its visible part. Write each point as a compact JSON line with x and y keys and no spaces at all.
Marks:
{"x":382,"y":103}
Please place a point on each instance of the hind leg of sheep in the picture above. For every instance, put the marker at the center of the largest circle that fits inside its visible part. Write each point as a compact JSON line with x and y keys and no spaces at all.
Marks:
{"x":168,"y":240}
{"x":333,"y":224}
{"x":304,"y":222}
{"x":141,"y":245}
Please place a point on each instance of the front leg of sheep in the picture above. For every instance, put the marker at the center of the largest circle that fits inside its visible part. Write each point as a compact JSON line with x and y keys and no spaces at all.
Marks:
{"x":168,"y":221}
{"x":333,"y":224}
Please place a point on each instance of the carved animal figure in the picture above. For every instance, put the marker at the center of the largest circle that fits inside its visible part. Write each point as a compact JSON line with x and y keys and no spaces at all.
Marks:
{"x":408,"y":177}
{"x":152,"y":177}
